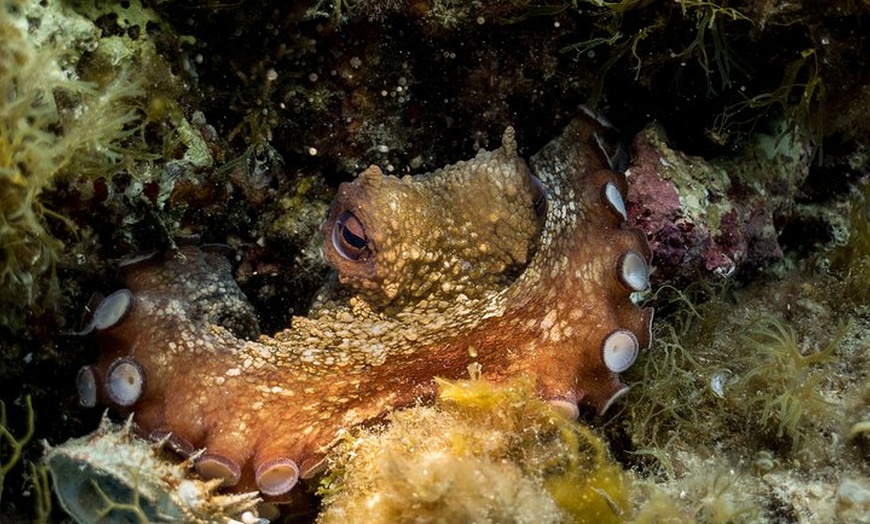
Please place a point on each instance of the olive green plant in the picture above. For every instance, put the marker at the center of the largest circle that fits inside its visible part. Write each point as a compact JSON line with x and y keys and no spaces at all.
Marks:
{"x":11,"y":446}
{"x":801,"y":82}
{"x":708,"y":45}
{"x":51,"y":126}
{"x":784,"y":382}
{"x":852,"y":260}
{"x":41,"y":491}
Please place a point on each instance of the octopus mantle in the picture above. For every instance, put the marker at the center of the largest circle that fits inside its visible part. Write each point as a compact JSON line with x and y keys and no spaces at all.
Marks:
{"x":484,"y":263}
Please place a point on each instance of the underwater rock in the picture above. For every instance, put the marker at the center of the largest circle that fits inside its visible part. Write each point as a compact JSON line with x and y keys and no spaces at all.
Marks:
{"x":853,"y":500}
{"x":710,"y":218}
{"x":113,"y":476}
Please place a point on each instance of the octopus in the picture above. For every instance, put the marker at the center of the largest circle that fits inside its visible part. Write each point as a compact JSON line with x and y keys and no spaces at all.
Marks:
{"x":489,"y":267}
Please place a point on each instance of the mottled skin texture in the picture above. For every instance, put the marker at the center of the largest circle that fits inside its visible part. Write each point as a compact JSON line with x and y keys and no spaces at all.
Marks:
{"x":539,"y":299}
{"x":466,"y":229}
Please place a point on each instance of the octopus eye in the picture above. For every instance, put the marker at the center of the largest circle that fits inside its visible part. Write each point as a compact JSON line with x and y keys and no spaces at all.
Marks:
{"x":539,"y":194}
{"x":349,"y":237}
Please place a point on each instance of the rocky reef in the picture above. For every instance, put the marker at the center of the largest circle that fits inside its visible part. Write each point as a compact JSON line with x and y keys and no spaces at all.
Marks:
{"x":128,"y":128}
{"x":114,"y":476}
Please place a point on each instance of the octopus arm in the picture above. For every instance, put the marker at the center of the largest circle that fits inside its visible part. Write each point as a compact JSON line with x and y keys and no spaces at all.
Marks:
{"x":180,"y":347}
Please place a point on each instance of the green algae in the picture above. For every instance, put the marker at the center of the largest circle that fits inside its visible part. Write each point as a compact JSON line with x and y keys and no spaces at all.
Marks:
{"x":484,"y":453}
{"x":733,"y":400}
{"x":83,"y":101}
{"x":42,"y":494}
{"x":784,"y":385}
{"x":622,"y":27}
{"x":51,"y":126}
{"x":851,"y":261}
{"x":801,"y":81}
{"x":670,"y":381}
{"x":10,"y":444}
{"x":12,"y":448}
{"x":710,"y":496}
{"x":764,"y":374}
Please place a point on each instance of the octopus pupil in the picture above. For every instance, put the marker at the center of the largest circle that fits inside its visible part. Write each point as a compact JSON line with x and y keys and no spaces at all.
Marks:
{"x":349,"y":236}
{"x":540,"y":197}
{"x":354,"y":240}
{"x":540,"y":204}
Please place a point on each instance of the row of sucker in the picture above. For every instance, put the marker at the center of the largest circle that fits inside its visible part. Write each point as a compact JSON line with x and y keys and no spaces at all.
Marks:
{"x":123,"y":385}
{"x":621,"y":346}
{"x":124,"y":381}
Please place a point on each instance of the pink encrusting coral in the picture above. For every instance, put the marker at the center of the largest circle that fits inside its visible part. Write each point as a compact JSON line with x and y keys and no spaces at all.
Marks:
{"x":712,"y":219}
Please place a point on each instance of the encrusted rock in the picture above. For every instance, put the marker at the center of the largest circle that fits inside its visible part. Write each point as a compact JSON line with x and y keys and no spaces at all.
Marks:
{"x":113,"y":476}
{"x":712,"y":218}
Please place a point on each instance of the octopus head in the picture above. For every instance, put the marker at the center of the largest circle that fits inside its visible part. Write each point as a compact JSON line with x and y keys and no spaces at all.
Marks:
{"x":465,"y":229}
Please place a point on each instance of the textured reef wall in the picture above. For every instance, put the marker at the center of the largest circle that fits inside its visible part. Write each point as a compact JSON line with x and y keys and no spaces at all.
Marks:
{"x":133,"y":127}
